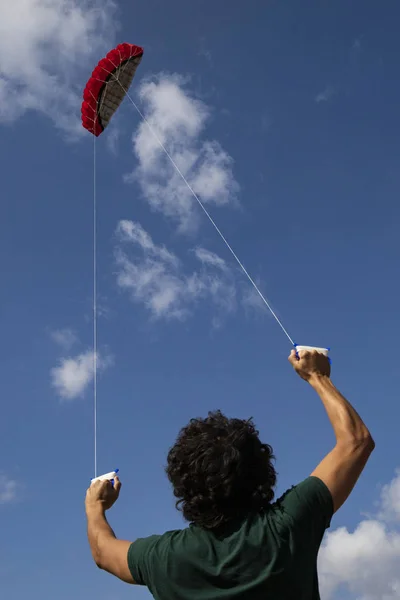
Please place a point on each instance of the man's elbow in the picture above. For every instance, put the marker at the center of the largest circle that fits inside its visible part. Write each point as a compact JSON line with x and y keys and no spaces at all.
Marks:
{"x":97,"y":561}
{"x":96,"y":554}
{"x":366,"y":440}
{"x":101,"y":564}
{"x":369,"y":443}
{"x":361,"y":442}
{"x":98,"y":564}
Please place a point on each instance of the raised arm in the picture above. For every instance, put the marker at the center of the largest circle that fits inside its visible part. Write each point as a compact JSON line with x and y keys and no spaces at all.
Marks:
{"x":109,"y":553}
{"x":342,"y":466}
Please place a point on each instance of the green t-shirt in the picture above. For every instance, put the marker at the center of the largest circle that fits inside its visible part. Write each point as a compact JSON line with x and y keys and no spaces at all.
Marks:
{"x":267,"y":556}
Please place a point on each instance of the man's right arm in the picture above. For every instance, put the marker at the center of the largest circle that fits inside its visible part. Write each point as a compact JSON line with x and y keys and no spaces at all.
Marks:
{"x":343,"y":465}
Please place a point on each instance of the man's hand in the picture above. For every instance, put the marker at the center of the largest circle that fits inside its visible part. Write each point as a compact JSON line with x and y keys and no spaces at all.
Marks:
{"x":102,"y":494}
{"x":310,"y":364}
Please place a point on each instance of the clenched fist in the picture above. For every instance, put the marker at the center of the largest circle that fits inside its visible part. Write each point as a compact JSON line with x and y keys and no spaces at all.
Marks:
{"x":310,"y":363}
{"x":102,"y":493}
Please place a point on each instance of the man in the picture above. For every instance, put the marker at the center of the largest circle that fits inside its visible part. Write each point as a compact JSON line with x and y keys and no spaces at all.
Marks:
{"x":238,"y":544}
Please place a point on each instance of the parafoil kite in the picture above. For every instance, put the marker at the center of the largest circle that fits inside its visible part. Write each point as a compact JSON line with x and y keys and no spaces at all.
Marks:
{"x":108,"y":85}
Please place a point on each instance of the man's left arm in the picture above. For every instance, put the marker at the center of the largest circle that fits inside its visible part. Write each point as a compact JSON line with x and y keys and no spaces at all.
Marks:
{"x":109,"y":553}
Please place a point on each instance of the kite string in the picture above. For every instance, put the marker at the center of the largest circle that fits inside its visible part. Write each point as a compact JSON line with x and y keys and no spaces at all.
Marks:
{"x":253,"y":283}
{"x":95,"y":306}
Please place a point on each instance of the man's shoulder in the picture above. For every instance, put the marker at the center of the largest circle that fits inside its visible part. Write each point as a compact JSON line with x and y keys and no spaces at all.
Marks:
{"x":148,"y":555}
{"x":305,"y":500}
{"x":309,"y":487}
{"x":171,"y":537}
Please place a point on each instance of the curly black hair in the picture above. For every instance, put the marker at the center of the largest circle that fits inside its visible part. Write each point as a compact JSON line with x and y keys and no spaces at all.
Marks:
{"x":220,"y":471}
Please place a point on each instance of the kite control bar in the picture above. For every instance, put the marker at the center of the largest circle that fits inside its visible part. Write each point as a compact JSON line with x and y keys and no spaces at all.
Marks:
{"x":324,"y":351}
{"x":106,"y":477}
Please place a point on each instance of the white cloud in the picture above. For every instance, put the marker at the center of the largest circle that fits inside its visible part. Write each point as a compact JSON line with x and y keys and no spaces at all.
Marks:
{"x":178,"y":119}
{"x":73,"y":375}
{"x":325,"y":95}
{"x":47,"y":48}
{"x":129,"y":231}
{"x":112,"y":140}
{"x":210,"y":258}
{"x":204,"y":50}
{"x":65,"y":338}
{"x":367,"y":560}
{"x":390,"y":500}
{"x":156,"y":278}
{"x":8,"y":489}
{"x":252,"y":299}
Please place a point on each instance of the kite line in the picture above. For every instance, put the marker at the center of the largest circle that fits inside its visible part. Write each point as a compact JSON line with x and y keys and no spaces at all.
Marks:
{"x":95,"y":305}
{"x":253,"y":283}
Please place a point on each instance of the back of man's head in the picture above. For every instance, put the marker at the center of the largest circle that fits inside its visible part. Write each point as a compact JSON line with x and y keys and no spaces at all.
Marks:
{"x":220,"y":471}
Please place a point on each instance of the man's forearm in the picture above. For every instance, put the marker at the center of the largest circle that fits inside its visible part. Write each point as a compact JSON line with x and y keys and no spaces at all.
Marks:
{"x":346,"y":422}
{"x":99,"y":531}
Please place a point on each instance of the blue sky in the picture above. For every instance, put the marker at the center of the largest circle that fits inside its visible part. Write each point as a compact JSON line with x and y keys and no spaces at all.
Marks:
{"x":285,"y":119}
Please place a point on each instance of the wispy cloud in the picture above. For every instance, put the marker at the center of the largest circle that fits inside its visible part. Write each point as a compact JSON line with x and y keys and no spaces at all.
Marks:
{"x":266,"y":122}
{"x":204,"y":50}
{"x":8,"y":489}
{"x":210,"y":258}
{"x":325,"y":95}
{"x":390,"y":500}
{"x":179,"y":119}
{"x":252,"y":299}
{"x":65,"y":338}
{"x":112,"y":140}
{"x":46,"y":46}
{"x":73,"y":375}
{"x":156,"y":278}
{"x":129,"y":231}
{"x":367,"y":560}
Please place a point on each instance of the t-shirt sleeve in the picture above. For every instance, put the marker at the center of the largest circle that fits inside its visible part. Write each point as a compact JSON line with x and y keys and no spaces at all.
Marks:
{"x":309,"y":506}
{"x":141,"y":554}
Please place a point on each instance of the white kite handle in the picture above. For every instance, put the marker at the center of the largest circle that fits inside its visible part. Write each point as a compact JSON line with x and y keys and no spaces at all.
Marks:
{"x":324,"y":351}
{"x":106,"y":477}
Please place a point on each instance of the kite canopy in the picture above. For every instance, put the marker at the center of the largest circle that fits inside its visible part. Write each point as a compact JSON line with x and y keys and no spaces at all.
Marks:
{"x":108,"y":86}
